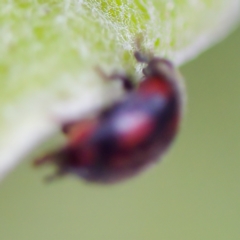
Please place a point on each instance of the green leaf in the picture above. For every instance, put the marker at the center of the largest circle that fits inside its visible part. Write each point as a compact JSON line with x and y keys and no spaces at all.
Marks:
{"x":49,"y":49}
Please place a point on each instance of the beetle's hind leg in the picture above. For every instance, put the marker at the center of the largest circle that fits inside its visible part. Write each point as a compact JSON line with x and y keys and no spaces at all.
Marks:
{"x":56,"y":157}
{"x":58,"y":174}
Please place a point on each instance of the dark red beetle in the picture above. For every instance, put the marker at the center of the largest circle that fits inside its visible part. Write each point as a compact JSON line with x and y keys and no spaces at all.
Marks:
{"x":130,"y":135}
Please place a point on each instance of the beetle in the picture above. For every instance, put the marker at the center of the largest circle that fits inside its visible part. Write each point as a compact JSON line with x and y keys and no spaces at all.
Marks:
{"x":130,"y":135}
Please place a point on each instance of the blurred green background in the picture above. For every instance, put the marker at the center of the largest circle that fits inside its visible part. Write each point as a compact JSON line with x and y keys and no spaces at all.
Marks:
{"x":193,"y":194}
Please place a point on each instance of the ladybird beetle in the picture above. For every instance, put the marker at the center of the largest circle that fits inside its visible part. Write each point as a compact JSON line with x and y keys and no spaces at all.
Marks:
{"x":125,"y":138}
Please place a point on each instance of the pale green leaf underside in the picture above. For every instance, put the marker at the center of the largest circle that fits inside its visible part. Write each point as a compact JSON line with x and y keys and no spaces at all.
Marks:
{"x":48,"y":51}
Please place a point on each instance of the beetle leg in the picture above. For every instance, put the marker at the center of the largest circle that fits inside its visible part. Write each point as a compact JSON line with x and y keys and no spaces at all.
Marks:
{"x":54,"y":157}
{"x":59,"y":173}
{"x":127,"y":82}
{"x":141,"y":57}
{"x":66,"y":127}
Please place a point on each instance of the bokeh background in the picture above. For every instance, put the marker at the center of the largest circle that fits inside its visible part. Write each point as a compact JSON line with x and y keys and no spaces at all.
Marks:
{"x":193,"y":194}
